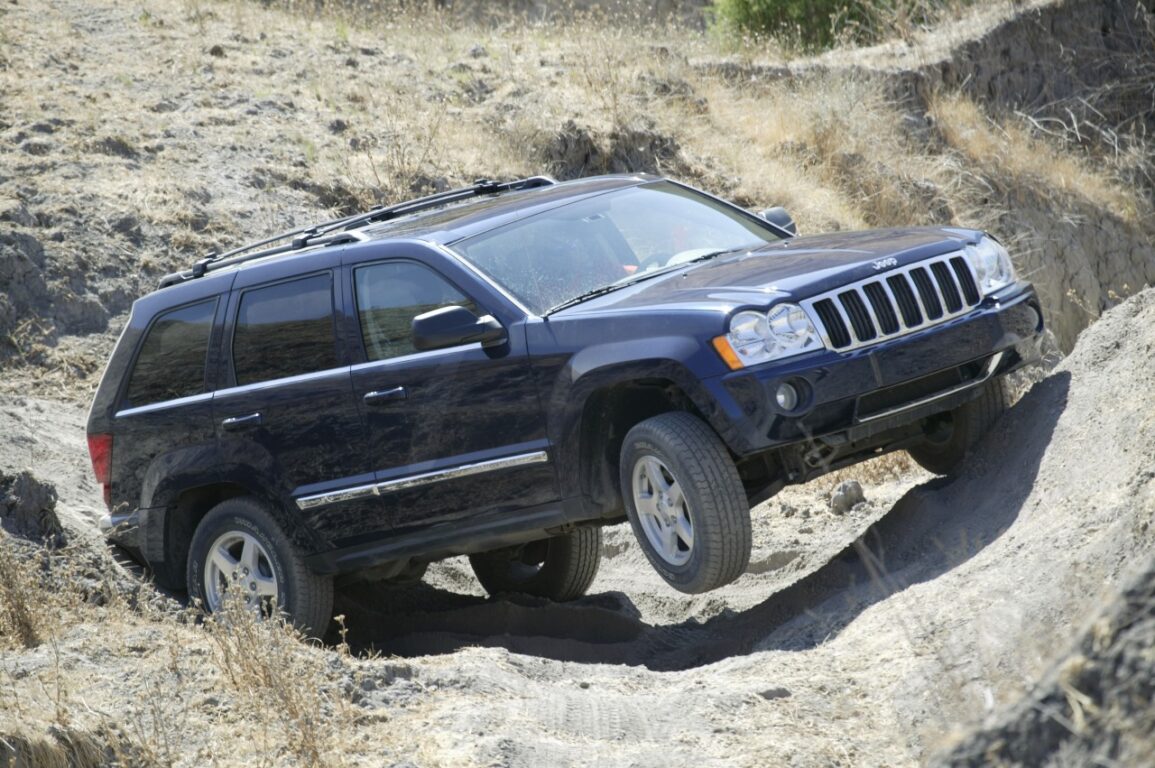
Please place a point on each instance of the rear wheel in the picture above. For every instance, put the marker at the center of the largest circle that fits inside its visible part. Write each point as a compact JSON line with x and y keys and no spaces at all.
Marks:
{"x":685,"y":502}
{"x":239,"y":546}
{"x":954,"y":434}
{"x":560,"y":568}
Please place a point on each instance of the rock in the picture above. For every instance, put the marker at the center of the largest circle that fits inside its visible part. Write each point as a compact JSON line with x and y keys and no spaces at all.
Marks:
{"x":775,"y":693}
{"x":115,"y":145}
{"x":845,"y":496}
{"x":13,"y":211}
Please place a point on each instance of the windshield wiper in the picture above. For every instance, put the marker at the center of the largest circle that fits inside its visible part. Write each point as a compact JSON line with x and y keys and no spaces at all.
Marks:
{"x":588,"y":295}
{"x":640,"y":276}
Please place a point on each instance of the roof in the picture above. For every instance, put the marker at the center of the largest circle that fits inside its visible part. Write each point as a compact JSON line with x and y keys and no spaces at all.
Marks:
{"x":442,"y":218}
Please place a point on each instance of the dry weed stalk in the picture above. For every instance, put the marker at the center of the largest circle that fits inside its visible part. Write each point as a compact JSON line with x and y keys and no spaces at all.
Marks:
{"x":286,"y":683}
{"x":21,"y":624}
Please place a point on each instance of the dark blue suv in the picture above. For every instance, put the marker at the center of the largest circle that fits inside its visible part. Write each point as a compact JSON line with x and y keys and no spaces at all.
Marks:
{"x":500,"y":370}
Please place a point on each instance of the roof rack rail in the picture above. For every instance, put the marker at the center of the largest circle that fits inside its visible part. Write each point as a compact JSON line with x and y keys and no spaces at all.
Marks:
{"x":341,"y":230}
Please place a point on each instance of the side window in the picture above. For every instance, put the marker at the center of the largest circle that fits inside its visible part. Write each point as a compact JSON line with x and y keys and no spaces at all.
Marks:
{"x":172,"y":358}
{"x":390,"y":295}
{"x":284,"y":330}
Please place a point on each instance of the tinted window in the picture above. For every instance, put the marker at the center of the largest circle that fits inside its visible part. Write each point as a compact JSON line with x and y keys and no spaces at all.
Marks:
{"x":284,"y":330}
{"x":172,"y":359}
{"x":390,"y":295}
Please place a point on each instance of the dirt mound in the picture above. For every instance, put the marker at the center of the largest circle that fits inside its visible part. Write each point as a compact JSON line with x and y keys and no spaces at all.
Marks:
{"x":1093,"y":708}
{"x":28,"y":509}
{"x":1077,"y":64}
{"x":575,"y":151}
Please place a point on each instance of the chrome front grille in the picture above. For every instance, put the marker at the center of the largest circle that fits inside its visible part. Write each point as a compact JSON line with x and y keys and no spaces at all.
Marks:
{"x":894,"y":303}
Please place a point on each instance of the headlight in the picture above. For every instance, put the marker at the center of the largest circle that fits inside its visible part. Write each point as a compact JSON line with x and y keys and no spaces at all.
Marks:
{"x":758,"y":337}
{"x":992,"y":265}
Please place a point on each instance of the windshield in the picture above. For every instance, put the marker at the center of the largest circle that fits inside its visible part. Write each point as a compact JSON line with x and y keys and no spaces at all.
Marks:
{"x":612,"y":239}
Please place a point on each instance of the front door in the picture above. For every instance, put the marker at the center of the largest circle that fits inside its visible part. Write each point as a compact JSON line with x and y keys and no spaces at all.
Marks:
{"x":452,"y":432}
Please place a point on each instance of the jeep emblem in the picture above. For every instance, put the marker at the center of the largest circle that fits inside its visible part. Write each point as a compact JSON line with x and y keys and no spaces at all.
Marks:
{"x":886,"y":263}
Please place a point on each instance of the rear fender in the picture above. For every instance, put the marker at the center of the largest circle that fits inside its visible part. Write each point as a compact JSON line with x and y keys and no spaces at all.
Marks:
{"x":199,"y":468}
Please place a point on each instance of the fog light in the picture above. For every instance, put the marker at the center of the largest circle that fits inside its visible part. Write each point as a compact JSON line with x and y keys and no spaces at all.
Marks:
{"x":787,"y":396}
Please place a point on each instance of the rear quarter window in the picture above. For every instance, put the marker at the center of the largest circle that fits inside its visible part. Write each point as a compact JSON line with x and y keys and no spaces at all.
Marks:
{"x":171,"y":363}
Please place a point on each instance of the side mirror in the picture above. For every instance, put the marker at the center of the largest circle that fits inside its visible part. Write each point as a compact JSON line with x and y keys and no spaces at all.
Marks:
{"x":451,"y":326}
{"x":780,"y":218}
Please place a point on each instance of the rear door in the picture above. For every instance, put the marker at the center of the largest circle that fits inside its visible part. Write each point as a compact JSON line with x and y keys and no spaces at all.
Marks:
{"x":452,"y":433}
{"x":286,"y":422}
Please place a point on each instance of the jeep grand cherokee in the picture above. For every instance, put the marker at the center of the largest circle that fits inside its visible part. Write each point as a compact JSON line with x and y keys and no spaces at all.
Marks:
{"x":501,"y":370}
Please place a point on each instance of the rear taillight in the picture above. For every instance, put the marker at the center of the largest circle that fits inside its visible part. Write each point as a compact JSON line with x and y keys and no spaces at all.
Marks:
{"x":100,"y":450}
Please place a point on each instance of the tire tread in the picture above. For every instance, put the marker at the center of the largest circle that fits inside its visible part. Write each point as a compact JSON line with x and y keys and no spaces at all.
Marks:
{"x":705,"y":464}
{"x":309,"y":602}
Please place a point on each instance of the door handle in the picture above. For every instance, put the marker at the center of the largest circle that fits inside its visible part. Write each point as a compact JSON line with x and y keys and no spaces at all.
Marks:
{"x":380,"y":396}
{"x":236,"y":423}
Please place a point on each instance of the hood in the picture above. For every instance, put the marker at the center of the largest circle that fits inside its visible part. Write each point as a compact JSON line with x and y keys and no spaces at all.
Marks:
{"x":791,"y":269}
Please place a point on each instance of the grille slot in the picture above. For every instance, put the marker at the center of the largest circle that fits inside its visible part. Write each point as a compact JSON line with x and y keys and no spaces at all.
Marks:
{"x":945,"y":281}
{"x":883,"y":308}
{"x":963,"y":273}
{"x":835,"y":328}
{"x":859,"y":317}
{"x":926,"y":293}
{"x":907,"y":304}
{"x":902,"y":301}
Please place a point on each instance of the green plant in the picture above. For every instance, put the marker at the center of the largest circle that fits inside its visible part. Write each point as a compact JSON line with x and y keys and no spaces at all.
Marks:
{"x":811,"y":24}
{"x":820,"y":24}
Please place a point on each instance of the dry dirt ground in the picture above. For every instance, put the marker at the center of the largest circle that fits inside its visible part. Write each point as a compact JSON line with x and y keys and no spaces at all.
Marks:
{"x":965,"y":620}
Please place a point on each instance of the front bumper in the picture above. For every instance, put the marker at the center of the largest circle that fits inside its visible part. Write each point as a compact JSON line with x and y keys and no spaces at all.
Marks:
{"x":869,"y":391}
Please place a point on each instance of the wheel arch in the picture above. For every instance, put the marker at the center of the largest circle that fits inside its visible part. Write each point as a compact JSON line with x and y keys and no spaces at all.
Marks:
{"x":608,"y":414}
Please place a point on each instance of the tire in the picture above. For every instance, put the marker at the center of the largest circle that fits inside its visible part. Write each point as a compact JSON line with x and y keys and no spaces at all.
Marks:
{"x":685,"y":502}
{"x":956,"y":433}
{"x":239,"y":542}
{"x":560,"y":568}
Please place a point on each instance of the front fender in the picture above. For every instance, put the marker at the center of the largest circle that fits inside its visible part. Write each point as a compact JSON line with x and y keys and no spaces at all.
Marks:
{"x":597,"y":368}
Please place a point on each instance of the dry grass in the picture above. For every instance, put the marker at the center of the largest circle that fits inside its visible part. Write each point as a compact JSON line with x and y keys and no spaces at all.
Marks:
{"x":230,"y":690}
{"x":1014,"y":149}
{"x":21,"y":625}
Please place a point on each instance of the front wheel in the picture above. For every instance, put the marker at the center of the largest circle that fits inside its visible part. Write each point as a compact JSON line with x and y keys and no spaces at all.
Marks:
{"x":953,"y":434}
{"x":560,"y":568}
{"x":239,"y":546}
{"x":685,"y":502}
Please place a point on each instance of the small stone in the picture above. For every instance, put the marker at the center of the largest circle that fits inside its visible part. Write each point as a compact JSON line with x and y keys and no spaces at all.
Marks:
{"x":775,"y":693}
{"x":845,"y":496}
{"x":217,"y":52}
